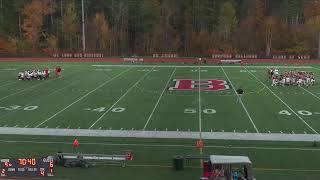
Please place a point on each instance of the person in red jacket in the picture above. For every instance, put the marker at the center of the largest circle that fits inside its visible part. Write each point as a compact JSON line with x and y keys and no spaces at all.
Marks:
{"x":46,"y":73}
{"x":58,"y":71}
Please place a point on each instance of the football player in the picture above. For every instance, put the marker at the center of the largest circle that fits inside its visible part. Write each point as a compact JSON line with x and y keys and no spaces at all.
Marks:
{"x":58,"y":71}
{"x":240,"y":93}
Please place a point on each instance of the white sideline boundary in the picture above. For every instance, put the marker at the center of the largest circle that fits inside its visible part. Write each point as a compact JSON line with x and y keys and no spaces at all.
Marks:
{"x":244,"y":107}
{"x":194,"y":66}
{"x":160,"y":134}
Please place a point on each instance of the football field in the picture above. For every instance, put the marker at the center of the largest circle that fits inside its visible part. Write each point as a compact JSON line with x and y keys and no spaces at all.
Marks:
{"x":158,"y":98}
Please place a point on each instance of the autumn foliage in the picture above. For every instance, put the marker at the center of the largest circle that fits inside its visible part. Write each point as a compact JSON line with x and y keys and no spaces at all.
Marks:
{"x":146,"y":27}
{"x":35,"y":13}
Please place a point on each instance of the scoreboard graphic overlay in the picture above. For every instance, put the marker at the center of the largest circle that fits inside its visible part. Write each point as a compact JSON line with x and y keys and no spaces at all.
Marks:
{"x":27,"y":167}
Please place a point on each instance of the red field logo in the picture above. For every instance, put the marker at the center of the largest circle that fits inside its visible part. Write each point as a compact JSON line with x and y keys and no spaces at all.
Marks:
{"x":205,"y":85}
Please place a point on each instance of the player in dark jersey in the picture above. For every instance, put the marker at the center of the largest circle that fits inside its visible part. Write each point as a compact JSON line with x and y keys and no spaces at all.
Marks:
{"x":240,"y":93}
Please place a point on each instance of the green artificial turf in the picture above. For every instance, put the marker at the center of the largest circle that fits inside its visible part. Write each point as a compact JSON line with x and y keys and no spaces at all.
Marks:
{"x":135,"y":97}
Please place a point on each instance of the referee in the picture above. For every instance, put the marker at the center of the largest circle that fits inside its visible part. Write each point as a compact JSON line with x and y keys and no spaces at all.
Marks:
{"x":239,"y":94}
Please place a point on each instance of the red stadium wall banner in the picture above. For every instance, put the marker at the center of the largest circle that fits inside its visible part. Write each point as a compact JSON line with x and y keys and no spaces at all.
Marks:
{"x":167,"y":55}
{"x":236,"y":56}
{"x":78,"y":55}
{"x":133,"y":59}
{"x":255,"y":56}
{"x":305,"y":56}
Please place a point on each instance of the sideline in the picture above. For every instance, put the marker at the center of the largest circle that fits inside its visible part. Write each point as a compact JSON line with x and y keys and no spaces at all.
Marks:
{"x":161,"y":134}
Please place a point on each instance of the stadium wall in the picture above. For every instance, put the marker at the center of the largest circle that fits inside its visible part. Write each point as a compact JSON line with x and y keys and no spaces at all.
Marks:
{"x":154,"y":60}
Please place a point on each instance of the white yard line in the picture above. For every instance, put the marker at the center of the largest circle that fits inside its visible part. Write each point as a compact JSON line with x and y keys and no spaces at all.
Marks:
{"x":101,"y":85}
{"x":155,"y":107}
{"x":315,"y":68}
{"x":310,"y":92}
{"x":8,"y":84}
{"x":135,"y":84}
{"x":199,"y":95}
{"x":283,"y":102}
{"x":244,"y":107}
{"x":36,"y":85}
{"x":188,"y":66}
{"x":47,"y":95}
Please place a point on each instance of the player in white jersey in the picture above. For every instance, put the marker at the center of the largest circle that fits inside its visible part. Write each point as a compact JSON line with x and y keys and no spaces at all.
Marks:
{"x":29,"y":75}
{"x":274,"y":81}
{"x":282,"y":81}
{"x":300,"y":81}
{"x":21,"y":76}
{"x":287,"y":81}
{"x":308,"y":81}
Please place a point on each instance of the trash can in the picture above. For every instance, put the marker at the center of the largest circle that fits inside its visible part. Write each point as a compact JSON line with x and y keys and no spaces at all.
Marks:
{"x":178,"y":163}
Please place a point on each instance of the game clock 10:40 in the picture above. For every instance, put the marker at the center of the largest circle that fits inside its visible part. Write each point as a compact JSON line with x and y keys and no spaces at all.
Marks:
{"x":21,"y":167}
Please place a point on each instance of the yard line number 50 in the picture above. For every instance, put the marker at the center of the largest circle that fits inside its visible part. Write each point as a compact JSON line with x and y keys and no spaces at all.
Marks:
{"x":205,"y":111}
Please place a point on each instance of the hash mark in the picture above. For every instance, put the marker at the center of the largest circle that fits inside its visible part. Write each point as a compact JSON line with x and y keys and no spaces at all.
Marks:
{"x":155,"y":129}
{"x":100,"y":127}
{"x":222,"y":130}
{"x":132,"y":129}
{"x":177,"y":129}
{"x":121,"y":129}
{"x":234,"y":131}
{"x":292,"y":132}
{"x":269,"y":132}
{"x":304,"y":132}
{"x":26,"y":126}
{"x":16,"y":125}
{"x":68,"y":127}
{"x":46,"y":127}
{"x":281,"y":132}
{"x":246,"y":131}
{"x":79,"y":127}
{"x":166,"y":129}
{"x":5,"y":125}
{"x":57,"y":127}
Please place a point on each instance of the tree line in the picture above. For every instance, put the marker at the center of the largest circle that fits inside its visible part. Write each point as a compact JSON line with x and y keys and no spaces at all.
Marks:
{"x":146,"y":27}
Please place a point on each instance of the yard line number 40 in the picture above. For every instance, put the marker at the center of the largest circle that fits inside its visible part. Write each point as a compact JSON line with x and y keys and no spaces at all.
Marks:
{"x":103,"y":109}
{"x":301,"y":112}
